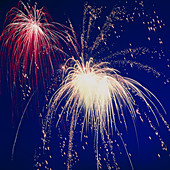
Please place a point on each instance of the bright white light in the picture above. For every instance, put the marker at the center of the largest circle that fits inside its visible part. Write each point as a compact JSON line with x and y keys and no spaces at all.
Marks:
{"x":101,"y":92}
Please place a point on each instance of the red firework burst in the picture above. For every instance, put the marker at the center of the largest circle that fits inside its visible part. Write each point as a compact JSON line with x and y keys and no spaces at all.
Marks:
{"x":29,"y":42}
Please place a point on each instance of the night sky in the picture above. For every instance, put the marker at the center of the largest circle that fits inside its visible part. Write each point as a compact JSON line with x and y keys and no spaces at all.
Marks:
{"x":145,"y":157}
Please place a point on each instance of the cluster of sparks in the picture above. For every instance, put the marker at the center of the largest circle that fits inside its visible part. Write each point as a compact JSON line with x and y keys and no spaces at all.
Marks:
{"x":103,"y":95}
{"x":89,"y":89}
{"x":29,"y":43}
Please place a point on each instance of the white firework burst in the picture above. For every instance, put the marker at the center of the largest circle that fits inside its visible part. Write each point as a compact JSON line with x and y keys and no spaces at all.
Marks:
{"x":102,"y":94}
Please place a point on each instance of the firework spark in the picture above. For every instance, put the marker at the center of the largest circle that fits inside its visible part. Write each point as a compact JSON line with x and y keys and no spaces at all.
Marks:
{"x":29,"y":41}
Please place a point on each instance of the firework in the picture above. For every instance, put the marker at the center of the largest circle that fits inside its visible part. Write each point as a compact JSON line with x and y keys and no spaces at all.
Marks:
{"x":29,"y":42}
{"x":102,"y":94}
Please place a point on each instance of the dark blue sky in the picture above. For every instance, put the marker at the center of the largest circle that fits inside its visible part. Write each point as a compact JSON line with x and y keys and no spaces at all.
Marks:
{"x":29,"y":134}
